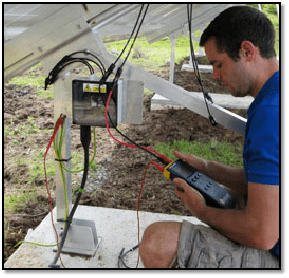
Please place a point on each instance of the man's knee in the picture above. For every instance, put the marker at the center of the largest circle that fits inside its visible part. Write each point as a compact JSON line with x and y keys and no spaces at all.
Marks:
{"x":149,"y":240}
{"x":159,"y":244}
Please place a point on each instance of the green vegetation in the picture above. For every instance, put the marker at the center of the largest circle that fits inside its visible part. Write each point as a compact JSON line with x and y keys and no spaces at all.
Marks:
{"x":26,"y":130}
{"x":13,"y":202}
{"x":23,"y":130}
{"x":152,"y":56}
{"x":36,"y":79}
{"x":35,"y":165}
{"x":223,"y":151}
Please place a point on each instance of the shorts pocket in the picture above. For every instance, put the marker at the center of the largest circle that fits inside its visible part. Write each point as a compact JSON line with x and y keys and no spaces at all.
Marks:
{"x":210,"y":259}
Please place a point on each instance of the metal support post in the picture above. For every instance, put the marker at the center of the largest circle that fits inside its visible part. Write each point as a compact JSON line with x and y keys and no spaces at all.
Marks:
{"x":172,"y":61}
{"x":63,"y":104}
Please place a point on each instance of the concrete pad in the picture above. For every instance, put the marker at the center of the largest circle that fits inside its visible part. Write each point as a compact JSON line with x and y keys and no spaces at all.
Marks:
{"x":159,"y":102}
{"x":116,"y":228}
{"x":202,"y":68}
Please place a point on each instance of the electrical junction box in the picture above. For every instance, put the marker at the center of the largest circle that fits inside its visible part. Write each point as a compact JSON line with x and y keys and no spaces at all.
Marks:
{"x":89,"y":100}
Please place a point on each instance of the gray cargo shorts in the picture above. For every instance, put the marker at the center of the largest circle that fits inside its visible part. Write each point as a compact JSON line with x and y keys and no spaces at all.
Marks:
{"x":202,"y":247}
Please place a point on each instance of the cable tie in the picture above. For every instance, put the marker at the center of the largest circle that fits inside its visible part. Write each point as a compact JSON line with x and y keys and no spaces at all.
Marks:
{"x":63,"y":159}
{"x":67,"y":220}
{"x":80,"y":190}
{"x":60,"y":220}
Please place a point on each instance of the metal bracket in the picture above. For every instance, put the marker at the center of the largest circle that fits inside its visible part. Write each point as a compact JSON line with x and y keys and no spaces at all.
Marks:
{"x":81,"y":238}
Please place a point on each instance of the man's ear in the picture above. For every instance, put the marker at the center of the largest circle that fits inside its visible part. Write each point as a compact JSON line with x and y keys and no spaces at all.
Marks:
{"x":248,"y":50}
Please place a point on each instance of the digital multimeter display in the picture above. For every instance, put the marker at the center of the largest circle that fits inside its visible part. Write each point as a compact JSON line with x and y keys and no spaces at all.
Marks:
{"x":183,"y":170}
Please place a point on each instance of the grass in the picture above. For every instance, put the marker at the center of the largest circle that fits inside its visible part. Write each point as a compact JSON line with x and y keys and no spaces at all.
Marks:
{"x":35,"y":165}
{"x":23,"y":130}
{"x":153,"y":56}
{"x":13,"y":202}
{"x":26,"y":130}
{"x":223,"y":151}
{"x":36,"y":79}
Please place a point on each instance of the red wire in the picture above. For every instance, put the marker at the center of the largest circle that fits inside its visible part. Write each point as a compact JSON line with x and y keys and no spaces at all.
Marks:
{"x":139,"y":195}
{"x":123,"y":143}
{"x":149,"y":164}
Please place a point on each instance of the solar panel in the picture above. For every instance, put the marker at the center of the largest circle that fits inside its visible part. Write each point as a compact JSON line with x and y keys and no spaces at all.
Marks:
{"x":34,"y":31}
{"x":45,"y":33}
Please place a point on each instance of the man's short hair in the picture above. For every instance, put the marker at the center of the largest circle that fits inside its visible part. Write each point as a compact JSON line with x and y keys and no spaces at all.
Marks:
{"x":241,"y":23}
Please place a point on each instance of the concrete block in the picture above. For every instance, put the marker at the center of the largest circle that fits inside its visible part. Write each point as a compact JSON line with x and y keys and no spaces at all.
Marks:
{"x":116,"y":229}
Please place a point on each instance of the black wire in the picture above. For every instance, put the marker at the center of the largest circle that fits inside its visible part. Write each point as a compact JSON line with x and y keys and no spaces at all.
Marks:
{"x":192,"y":52}
{"x":91,"y":60}
{"x":112,"y":66}
{"x":79,"y":60}
{"x":99,"y":63}
{"x":114,"y":83}
{"x":130,"y":37}
{"x":65,"y":61}
{"x":141,"y":22}
{"x":140,"y":147}
{"x":195,"y":65}
{"x":122,"y":255}
{"x":85,"y":137}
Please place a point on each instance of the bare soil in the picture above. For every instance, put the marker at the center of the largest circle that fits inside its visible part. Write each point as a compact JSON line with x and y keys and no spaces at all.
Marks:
{"x":116,"y":182}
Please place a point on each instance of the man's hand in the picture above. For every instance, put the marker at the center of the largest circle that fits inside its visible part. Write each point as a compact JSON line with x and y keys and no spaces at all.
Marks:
{"x":193,"y":199}
{"x":195,"y":161}
{"x":231,"y":177}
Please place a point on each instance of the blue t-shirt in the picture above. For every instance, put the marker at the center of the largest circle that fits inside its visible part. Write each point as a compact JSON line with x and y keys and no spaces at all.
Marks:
{"x":261,"y":146}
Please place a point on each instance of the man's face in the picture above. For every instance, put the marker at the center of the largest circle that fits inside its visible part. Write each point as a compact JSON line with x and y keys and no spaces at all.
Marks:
{"x":234,"y":75}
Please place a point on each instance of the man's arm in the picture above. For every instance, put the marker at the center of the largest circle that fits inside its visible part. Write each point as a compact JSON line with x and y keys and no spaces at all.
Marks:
{"x":233,"y":178}
{"x":255,"y":226}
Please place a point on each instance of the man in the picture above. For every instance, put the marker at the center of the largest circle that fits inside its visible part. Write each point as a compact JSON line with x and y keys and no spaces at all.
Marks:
{"x":239,"y":44}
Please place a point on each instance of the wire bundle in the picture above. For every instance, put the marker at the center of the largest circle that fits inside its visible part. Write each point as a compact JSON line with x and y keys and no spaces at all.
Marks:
{"x":70,"y":59}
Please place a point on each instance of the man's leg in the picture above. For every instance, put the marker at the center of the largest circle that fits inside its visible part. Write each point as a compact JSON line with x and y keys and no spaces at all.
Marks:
{"x":159,"y":244}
